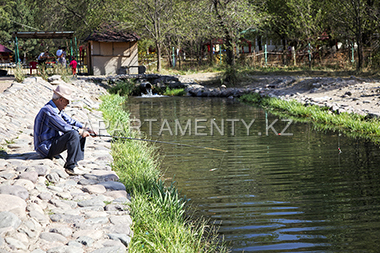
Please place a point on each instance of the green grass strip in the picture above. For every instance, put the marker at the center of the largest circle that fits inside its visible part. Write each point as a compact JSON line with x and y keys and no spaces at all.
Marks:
{"x":350,"y":124}
{"x":174,"y":92}
{"x":159,"y":216}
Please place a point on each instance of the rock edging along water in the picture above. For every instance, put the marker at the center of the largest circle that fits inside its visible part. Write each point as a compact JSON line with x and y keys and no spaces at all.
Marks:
{"x":42,"y":208}
{"x":351,"y":94}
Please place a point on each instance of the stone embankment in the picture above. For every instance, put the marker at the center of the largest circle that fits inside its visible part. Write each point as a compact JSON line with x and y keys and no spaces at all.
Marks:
{"x":350,"y":94}
{"x":42,"y":208}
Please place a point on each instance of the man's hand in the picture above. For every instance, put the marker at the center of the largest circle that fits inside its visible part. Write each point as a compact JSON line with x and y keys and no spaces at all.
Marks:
{"x":83,"y":132}
{"x":92,"y":132}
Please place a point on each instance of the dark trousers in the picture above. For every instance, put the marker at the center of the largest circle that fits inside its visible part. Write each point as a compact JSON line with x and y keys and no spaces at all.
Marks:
{"x":73,"y":143}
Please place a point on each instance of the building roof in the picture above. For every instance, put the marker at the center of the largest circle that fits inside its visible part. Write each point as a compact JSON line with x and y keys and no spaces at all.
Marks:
{"x":4,"y":49}
{"x":110,"y":33}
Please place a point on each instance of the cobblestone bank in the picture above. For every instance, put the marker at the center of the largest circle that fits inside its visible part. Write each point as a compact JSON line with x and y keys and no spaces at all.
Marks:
{"x":42,"y":208}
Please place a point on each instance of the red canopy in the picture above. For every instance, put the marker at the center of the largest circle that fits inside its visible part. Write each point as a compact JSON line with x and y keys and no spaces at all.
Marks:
{"x":4,"y":49}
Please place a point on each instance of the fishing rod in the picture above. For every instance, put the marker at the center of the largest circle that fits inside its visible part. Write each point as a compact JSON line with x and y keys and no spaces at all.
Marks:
{"x":164,"y":142}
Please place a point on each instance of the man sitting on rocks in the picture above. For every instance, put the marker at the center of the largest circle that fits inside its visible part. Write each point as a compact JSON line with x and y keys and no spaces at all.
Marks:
{"x":55,"y":131}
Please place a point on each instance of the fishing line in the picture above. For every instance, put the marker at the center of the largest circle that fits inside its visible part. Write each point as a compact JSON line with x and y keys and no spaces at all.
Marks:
{"x":164,"y":142}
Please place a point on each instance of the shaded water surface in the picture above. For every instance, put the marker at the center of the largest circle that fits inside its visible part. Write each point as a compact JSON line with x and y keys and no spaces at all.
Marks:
{"x":295,"y":191}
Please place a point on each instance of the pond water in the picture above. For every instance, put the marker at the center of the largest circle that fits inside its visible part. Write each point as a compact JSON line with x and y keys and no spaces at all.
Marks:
{"x":281,"y":187}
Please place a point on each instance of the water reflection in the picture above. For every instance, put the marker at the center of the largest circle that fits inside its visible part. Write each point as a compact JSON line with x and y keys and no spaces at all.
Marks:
{"x":305,"y":192}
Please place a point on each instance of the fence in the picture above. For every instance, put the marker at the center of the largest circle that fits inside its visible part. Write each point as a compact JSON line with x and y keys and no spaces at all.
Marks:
{"x":51,"y":69}
{"x":342,"y":59}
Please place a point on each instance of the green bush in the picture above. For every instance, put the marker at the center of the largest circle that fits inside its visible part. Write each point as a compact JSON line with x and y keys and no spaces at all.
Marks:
{"x":253,"y":98}
{"x":230,"y":75}
{"x":174,"y":92}
{"x":123,"y":88}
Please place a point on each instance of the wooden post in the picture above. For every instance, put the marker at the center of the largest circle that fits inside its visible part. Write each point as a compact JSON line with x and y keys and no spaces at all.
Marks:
{"x":294,"y":55}
{"x":266,"y":55}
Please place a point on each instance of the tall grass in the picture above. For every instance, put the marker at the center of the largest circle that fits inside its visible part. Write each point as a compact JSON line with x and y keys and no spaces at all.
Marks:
{"x":158,"y":211}
{"x":350,"y":124}
{"x":19,"y":74}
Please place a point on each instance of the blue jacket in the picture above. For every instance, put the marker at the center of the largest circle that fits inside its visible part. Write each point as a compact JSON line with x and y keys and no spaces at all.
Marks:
{"x":50,"y":123}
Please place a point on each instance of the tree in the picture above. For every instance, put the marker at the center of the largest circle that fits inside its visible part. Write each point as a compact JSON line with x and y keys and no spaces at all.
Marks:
{"x":278,"y":20}
{"x":233,"y":16}
{"x":81,"y":16}
{"x":306,"y":19}
{"x":351,"y":20}
{"x":154,"y":18}
{"x":193,"y":26}
{"x":17,"y":16}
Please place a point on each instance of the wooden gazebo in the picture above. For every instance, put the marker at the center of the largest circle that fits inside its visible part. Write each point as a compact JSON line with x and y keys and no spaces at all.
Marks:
{"x":45,"y":35}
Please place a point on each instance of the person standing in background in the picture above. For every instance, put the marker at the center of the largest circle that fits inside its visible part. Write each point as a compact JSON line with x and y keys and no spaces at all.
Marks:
{"x":43,"y":57}
{"x":61,"y":54}
{"x":58,"y":54}
{"x":63,"y":57}
{"x":73,"y":65}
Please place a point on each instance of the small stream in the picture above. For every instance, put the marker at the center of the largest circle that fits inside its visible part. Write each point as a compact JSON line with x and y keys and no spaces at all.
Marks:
{"x":282,"y":186}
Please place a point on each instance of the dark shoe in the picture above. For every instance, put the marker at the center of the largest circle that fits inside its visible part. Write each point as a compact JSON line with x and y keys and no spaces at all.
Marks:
{"x":76,"y":171}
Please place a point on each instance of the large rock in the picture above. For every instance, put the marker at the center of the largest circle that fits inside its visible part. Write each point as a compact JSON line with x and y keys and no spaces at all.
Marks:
{"x":114,"y":249}
{"x":94,"y":189}
{"x":13,"y":204}
{"x":15,"y":190}
{"x":102,"y":176}
{"x":97,"y":201}
{"x":125,"y":239}
{"x":27,"y":184}
{"x":15,"y":244}
{"x":53,"y":237}
{"x":8,"y":219}
{"x":29,"y":175}
{"x":113,"y":186}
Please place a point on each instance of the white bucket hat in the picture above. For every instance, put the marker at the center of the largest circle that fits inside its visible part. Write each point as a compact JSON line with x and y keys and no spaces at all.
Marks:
{"x":64,"y":91}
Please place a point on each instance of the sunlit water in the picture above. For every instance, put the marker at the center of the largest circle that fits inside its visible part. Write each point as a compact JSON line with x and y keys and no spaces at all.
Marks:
{"x":149,"y":94}
{"x":295,"y":191}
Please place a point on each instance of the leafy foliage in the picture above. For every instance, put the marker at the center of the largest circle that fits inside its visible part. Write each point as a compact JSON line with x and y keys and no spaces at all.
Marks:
{"x":190,"y":26}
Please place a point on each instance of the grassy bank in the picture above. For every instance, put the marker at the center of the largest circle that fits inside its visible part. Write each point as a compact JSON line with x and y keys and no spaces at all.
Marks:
{"x":158,"y":212}
{"x":353,"y":125}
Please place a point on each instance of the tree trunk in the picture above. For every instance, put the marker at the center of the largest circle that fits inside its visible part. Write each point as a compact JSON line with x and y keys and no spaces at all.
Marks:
{"x":211,"y":52}
{"x":230,"y":59}
{"x":158,"y":46}
{"x":259,"y":43}
{"x":359,"y":41}
{"x":360,"y":53}
{"x":283,"y":51}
